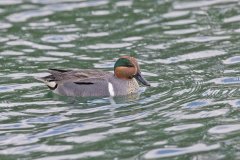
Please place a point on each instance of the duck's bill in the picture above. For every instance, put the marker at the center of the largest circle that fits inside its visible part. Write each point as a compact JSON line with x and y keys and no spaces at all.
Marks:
{"x":140,"y":78}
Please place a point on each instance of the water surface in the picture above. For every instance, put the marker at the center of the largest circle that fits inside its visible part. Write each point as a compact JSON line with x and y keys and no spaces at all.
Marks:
{"x":188,"y":50}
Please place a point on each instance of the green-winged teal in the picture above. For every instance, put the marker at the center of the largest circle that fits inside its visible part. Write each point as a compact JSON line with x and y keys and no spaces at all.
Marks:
{"x":91,"y":82}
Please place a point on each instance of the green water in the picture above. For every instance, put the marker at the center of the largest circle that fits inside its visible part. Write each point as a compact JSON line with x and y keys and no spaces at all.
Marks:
{"x":188,"y":50}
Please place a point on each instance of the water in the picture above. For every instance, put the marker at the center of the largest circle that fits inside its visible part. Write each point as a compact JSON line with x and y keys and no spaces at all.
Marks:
{"x":188,"y":50}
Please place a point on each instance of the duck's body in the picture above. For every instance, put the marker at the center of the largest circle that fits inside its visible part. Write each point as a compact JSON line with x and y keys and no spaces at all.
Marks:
{"x":88,"y":82}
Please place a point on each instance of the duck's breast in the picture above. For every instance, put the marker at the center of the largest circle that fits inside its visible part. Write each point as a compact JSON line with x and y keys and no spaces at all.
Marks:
{"x":123,"y":87}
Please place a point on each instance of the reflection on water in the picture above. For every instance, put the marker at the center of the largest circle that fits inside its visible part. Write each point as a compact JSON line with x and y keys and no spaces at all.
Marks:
{"x":188,"y":50}
{"x":169,"y":152}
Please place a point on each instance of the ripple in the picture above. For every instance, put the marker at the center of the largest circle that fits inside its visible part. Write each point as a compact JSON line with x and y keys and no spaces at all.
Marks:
{"x":15,"y":126}
{"x":17,"y":139}
{"x":160,"y":143}
{"x":197,"y":104}
{"x":75,"y":156}
{"x":226,"y":80}
{"x":11,"y":53}
{"x":204,"y":39}
{"x":89,"y":110}
{"x":189,"y":5}
{"x":46,"y":119}
{"x":124,"y":3}
{"x":100,"y":34}
{"x":180,"y":22}
{"x":224,"y":92}
{"x":232,"y":19}
{"x":43,"y":59}
{"x":131,"y":39}
{"x":71,"y":6}
{"x":232,"y":60}
{"x":172,"y":152}
{"x":13,"y":114}
{"x":107,"y":46}
{"x":47,"y":110}
{"x":104,"y":65}
{"x":85,"y":57}
{"x":2,"y":10}
{"x":100,"y":13}
{"x":223,"y":129}
{"x":90,"y":138}
{"x":3,"y":118}
{"x":30,"y":44}
{"x":42,"y":24}
{"x":182,"y":31}
{"x":118,"y":130}
{"x":175,"y":14}
{"x":52,"y":1}
{"x":3,"y":39}
{"x":11,"y":88}
{"x":184,"y":91}
{"x":28,"y":50}
{"x":237,"y":30}
{"x":51,"y":9}
{"x":67,"y":45}
{"x":183,"y":127}
{"x":8,"y":38}
{"x":10,"y":2}
{"x":61,"y":54}
{"x":4,"y":25}
{"x":29,"y":103}
{"x":157,"y":46}
{"x":59,"y":38}
{"x":129,"y":118}
{"x":67,"y":28}
{"x":24,"y":16}
{"x":143,"y":21}
{"x":20,"y":75}
{"x":140,"y":133}
{"x":35,"y":148}
{"x":234,"y":103}
{"x":192,"y":56}
{"x":71,"y":128}
{"x":203,"y":114}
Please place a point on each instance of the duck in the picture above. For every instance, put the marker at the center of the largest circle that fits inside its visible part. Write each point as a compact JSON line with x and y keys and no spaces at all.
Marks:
{"x":97,"y":83}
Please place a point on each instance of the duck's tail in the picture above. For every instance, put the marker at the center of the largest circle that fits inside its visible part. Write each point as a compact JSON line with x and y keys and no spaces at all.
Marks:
{"x":48,"y":81}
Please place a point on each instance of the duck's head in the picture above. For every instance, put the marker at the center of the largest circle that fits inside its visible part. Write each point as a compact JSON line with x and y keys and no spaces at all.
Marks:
{"x":127,"y":67}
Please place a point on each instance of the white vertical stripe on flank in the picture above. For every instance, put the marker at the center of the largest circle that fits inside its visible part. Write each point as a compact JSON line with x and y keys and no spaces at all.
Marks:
{"x":110,"y":89}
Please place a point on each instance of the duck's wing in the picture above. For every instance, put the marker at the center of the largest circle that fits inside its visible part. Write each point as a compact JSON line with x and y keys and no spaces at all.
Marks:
{"x":76,"y":75}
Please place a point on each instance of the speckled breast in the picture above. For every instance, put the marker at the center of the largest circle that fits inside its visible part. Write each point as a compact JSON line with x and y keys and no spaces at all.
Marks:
{"x":132,"y":86}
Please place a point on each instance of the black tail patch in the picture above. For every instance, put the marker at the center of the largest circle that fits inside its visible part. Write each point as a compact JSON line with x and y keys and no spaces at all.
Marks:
{"x":53,"y":88}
